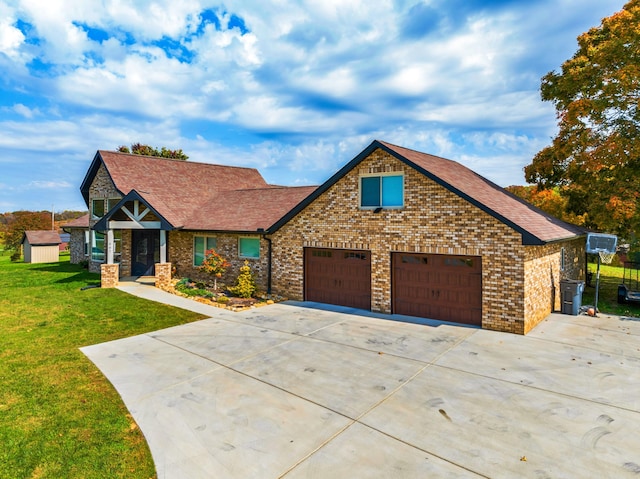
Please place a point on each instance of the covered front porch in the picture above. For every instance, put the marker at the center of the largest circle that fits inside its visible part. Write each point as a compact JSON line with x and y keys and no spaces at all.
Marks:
{"x":135,"y":238}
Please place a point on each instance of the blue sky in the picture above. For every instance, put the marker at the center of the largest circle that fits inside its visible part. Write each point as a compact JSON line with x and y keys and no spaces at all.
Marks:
{"x":295,"y":89}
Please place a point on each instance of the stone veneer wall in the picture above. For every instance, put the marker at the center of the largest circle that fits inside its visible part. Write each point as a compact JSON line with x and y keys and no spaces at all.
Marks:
{"x":76,"y":246}
{"x":181,"y":257}
{"x":543,"y":275}
{"x":434,"y":220}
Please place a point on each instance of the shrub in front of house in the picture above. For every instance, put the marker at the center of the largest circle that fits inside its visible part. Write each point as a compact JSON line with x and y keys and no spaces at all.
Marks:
{"x":245,"y":285}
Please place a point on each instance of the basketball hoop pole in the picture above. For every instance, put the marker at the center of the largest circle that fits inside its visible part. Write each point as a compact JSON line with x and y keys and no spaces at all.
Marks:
{"x":595,"y":307}
{"x":604,"y":246}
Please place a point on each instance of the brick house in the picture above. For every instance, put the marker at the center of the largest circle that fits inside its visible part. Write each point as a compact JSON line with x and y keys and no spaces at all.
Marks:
{"x":395,"y":231}
{"x":148,"y":214}
{"x":403,"y":232}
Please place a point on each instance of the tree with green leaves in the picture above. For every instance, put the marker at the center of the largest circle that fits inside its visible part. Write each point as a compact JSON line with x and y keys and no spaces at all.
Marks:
{"x":146,"y":150}
{"x":595,"y":156}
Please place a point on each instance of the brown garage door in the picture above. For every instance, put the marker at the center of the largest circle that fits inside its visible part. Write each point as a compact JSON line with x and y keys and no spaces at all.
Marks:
{"x":443,"y":287}
{"x":337,"y":276}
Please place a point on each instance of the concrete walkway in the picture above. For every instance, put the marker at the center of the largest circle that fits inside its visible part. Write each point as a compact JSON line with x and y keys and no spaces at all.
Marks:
{"x":298,"y":390}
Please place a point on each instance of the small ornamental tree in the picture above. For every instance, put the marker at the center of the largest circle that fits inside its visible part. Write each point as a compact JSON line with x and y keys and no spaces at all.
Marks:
{"x":245,"y":284}
{"x":215,"y":265}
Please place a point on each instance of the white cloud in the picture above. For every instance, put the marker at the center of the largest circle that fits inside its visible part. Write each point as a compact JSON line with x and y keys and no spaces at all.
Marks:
{"x":302,"y":91}
{"x":11,"y":39}
{"x":49,"y":185}
{"x":25,"y":111}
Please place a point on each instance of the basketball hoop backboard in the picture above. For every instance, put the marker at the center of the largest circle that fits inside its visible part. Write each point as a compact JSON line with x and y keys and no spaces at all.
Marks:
{"x":599,"y":242}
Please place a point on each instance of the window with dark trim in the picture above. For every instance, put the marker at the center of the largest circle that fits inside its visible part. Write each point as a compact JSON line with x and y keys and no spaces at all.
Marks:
{"x":249,"y":248}
{"x":101,"y":206}
{"x":97,"y":208}
{"x":202,"y":244}
{"x":383,"y":191}
{"x":97,"y":246}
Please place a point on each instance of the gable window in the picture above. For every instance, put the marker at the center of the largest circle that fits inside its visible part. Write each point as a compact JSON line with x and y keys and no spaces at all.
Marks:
{"x":100,"y":206}
{"x":97,"y":208}
{"x":249,"y":247}
{"x":563,"y":258}
{"x":382,"y":191}
{"x":202,"y":244}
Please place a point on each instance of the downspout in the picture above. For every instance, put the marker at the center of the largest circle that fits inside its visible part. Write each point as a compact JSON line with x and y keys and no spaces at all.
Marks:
{"x":261,"y":230}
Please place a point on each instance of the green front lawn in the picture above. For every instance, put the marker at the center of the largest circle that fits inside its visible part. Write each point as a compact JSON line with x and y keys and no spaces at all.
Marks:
{"x":59,"y":417}
{"x":610,"y":278}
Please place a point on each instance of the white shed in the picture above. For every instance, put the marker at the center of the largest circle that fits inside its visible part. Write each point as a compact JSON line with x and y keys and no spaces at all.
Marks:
{"x":41,"y":246}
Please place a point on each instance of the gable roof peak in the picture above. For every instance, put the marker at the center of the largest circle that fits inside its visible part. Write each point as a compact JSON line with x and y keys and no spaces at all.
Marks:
{"x":536,"y":226}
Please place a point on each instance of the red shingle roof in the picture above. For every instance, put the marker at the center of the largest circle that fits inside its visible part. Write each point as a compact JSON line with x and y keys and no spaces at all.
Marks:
{"x":199,"y":196}
{"x":247,"y":210}
{"x":82,"y":223}
{"x":492,"y":197}
{"x":41,"y":238}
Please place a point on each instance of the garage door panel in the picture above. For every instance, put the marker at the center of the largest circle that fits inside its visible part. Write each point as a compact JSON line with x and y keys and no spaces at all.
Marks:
{"x":444,"y":287}
{"x":341,"y":277}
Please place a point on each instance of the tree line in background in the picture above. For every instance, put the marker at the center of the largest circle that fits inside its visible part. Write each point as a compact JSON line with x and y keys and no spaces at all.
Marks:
{"x":13,"y":225}
{"x":146,"y":150}
{"x":590,"y":174}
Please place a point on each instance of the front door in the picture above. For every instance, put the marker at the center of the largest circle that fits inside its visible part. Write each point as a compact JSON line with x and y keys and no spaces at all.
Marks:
{"x":145,"y":252}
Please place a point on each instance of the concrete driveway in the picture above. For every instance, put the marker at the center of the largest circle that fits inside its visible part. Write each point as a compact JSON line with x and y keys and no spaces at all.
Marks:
{"x":294,"y":391}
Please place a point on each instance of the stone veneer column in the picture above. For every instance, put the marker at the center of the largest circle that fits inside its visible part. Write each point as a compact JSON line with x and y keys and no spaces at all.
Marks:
{"x":163,"y":275}
{"x":109,"y":275}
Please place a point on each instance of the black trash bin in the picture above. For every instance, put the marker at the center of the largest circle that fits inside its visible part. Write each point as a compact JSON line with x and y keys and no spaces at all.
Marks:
{"x":571,"y":291}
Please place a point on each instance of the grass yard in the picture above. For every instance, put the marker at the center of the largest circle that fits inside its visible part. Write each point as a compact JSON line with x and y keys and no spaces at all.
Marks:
{"x":610,"y":278}
{"x":59,"y":417}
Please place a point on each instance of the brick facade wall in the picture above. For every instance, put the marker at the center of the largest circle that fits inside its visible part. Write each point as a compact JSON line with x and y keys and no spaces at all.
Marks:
{"x":109,"y":275}
{"x":543,"y":274}
{"x":181,"y":256}
{"x":434,"y":220}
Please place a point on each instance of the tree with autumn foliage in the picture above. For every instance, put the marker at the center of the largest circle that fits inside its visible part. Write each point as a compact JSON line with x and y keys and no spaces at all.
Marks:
{"x":146,"y":150}
{"x":21,"y":221}
{"x":215,"y":265}
{"x":550,"y":200}
{"x":595,"y":158}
